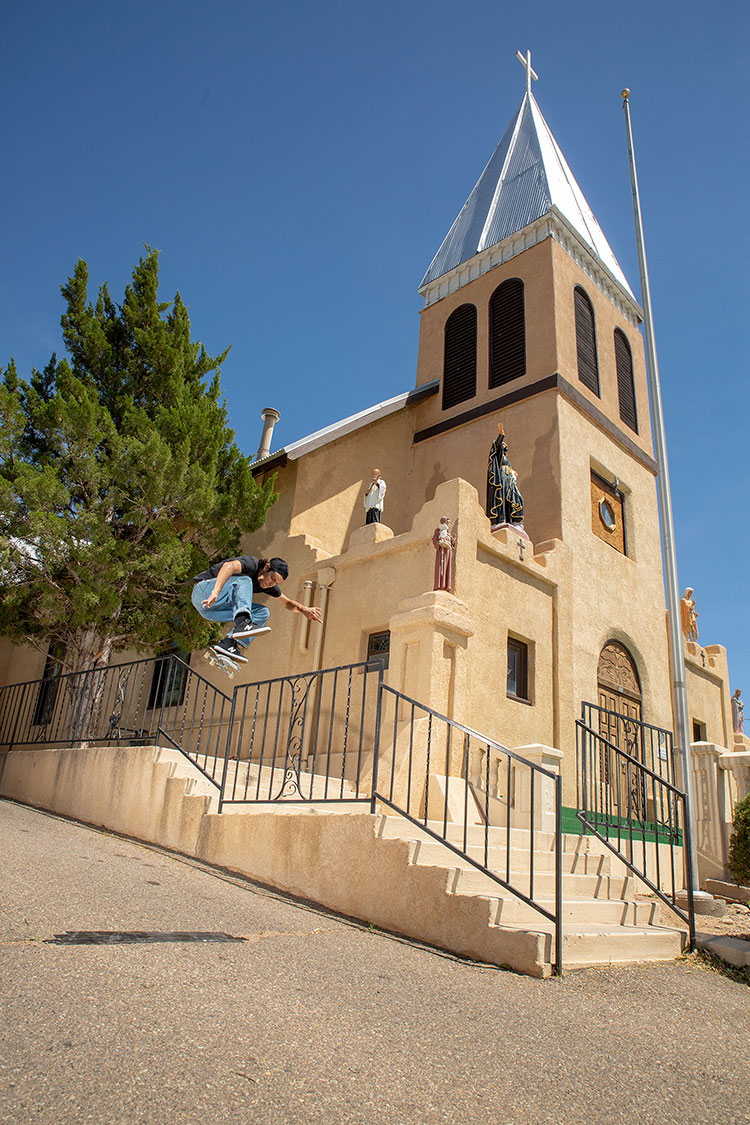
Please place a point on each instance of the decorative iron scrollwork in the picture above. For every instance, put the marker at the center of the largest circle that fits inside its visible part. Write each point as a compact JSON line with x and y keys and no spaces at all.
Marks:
{"x":291,"y":786}
{"x":115,"y":729}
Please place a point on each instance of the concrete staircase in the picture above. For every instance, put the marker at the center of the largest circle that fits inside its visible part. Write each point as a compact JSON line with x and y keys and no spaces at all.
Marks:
{"x":379,"y":868}
{"x":605,"y":920}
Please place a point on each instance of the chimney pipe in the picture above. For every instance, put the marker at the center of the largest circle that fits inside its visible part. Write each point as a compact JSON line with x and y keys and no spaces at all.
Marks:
{"x":270,"y":418}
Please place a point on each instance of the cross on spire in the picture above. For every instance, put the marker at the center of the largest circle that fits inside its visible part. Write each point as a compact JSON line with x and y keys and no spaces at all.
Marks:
{"x":525,"y":61}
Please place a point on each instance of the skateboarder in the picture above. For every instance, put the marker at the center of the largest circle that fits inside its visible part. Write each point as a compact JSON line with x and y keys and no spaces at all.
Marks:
{"x":225,"y":592}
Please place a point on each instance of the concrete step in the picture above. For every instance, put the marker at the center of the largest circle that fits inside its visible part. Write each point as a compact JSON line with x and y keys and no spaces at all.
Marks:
{"x":617,"y":888}
{"x":432,"y":851}
{"x":397,"y":827}
{"x":579,"y":912}
{"x":597,"y":946}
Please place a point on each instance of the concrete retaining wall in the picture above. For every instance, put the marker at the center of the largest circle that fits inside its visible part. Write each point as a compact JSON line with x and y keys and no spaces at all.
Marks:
{"x":334,"y":858}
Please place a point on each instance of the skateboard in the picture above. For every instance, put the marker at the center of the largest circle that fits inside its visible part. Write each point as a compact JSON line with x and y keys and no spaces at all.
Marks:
{"x":219,"y":660}
{"x":229,"y":664}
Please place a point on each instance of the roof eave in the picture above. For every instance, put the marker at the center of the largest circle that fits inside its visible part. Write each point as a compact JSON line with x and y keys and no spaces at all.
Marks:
{"x":552,"y":224}
{"x":346,"y":426}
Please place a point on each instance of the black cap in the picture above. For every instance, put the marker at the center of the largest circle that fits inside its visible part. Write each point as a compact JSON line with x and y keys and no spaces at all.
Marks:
{"x":280,"y":566}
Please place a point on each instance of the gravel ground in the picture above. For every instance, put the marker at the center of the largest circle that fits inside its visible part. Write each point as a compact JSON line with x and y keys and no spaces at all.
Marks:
{"x":314,"y":1018}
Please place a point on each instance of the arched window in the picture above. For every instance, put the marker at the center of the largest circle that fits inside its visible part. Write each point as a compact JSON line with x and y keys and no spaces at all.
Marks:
{"x":588,"y":368}
{"x":507,"y":333}
{"x":625,"y":385}
{"x":460,"y":356}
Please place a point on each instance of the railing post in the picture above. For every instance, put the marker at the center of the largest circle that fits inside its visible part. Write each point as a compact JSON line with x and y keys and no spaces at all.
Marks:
{"x":376,"y":749}
{"x":227,"y":748}
{"x":558,"y":878}
{"x":164,"y":688}
{"x":687,"y":853}
{"x":15,"y":722}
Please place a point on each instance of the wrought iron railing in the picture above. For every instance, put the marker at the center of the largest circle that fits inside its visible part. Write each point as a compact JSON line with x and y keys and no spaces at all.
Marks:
{"x":649,"y":744}
{"x":309,"y":737}
{"x":638,"y":813}
{"x":332,"y":736}
{"x":495,"y":810}
{"x":159,"y":699}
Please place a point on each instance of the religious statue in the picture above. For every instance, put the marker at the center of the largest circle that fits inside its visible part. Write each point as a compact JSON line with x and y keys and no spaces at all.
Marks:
{"x":738,"y":717}
{"x":445,"y":544}
{"x":688,"y":615}
{"x":504,"y":501}
{"x":374,"y":494}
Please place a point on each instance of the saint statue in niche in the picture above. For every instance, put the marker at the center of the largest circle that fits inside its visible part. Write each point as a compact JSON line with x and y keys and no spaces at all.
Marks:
{"x":445,"y":544}
{"x":738,"y":716}
{"x":504,"y":501}
{"x":688,"y":615}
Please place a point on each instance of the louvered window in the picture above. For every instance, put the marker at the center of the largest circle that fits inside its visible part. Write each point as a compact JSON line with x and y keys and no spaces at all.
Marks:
{"x":625,"y":385}
{"x":460,"y":357}
{"x":507,"y":333}
{"x":588,"y":368}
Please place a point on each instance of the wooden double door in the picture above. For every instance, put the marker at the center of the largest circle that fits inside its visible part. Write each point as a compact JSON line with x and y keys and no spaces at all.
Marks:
{"x":620,"y":718}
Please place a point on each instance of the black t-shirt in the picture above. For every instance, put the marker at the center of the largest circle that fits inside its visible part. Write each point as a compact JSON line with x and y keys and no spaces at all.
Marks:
{"x":249,"y":565}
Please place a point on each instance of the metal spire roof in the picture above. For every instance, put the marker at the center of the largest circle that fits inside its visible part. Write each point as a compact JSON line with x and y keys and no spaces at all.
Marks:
{"x":526,"y":177}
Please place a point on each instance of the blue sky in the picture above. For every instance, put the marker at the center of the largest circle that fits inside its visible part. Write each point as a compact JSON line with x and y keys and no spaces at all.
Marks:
{"x":298,"y":165}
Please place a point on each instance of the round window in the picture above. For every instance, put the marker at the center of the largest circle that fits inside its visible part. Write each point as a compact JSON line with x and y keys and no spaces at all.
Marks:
{"x":607,"y":515}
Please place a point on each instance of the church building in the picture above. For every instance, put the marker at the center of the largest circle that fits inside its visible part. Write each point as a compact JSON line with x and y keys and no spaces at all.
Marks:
{"x":528,"y":322}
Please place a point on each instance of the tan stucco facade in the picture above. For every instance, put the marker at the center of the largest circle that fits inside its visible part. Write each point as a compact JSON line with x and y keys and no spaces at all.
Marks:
{"x":563,"y":593}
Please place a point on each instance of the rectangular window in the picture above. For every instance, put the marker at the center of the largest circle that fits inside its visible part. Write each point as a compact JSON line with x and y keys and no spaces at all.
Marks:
{"x":699,"y":731}
{"x":518,"y":669}
{"x":378,"y":648}
{"x":169,"y":680}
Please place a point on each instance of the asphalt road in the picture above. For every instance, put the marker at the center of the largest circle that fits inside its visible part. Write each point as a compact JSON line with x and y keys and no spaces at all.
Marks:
{"x":312,"y":1018}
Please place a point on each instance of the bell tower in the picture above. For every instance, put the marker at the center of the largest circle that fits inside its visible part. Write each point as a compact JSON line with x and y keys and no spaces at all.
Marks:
{"x":529,"y":320}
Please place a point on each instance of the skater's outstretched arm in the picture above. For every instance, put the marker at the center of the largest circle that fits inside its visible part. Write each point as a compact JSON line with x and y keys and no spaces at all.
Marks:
{"x":228,"y":569}
{"x":311,"y":612}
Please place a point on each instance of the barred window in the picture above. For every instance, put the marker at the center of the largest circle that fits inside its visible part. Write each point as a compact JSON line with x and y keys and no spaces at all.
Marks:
{"x":169,"y":679}
{"x":507,"y":333}
{"x":588,"y":367}
{"x":460,"y":356}
{"x":518,"y":669}
{"x":379,"y":648}
{"x":625,"y":384}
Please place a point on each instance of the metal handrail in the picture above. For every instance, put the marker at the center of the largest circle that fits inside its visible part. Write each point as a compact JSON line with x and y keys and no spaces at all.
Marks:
{"x":417,"y":792}
{"x":604,"y":784}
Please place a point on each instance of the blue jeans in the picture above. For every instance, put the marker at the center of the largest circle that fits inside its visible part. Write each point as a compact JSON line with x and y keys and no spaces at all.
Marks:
{"x":236,"y":596}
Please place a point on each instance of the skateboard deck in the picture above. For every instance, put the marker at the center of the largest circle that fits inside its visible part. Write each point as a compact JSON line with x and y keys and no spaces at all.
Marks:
{"x":218,"y":660}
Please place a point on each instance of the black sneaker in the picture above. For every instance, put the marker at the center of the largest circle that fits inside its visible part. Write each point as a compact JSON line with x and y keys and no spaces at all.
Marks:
{"x":229,"y":647}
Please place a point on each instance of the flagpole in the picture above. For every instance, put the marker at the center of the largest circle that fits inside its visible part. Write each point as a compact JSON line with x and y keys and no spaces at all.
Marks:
{"x":676,"y":647}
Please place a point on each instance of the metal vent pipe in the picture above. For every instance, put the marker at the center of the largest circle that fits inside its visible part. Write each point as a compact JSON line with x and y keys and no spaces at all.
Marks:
{"x":270,"y":417}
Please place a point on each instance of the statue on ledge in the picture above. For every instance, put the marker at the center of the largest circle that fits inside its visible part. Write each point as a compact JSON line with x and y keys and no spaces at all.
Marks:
{"x":444,"y":542}
{"x":688,"y":615}
{"x":504,"y":501}
{"x":738,"y":716}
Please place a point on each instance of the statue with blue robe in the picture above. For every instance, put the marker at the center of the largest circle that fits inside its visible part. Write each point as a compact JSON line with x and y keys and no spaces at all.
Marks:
{"x":504,"y":501}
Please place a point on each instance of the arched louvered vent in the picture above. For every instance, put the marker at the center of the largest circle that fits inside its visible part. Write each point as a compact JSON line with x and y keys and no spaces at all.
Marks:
{"x":625,"y":384}
{"x":507,"y":333}
{"x":588,"y":368}
{"x":460,"y":356}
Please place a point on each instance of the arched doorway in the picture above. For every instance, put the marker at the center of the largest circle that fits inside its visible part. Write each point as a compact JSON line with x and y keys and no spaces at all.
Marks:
{"x":618,"y":684}
{"x":620,"y":699}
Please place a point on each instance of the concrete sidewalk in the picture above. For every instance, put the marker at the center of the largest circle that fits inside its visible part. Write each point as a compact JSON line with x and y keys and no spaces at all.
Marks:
{"x":315,"y":1019}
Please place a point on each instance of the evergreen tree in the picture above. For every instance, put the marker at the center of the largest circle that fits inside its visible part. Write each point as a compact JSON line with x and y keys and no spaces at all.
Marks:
{"x":119,"y":478}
